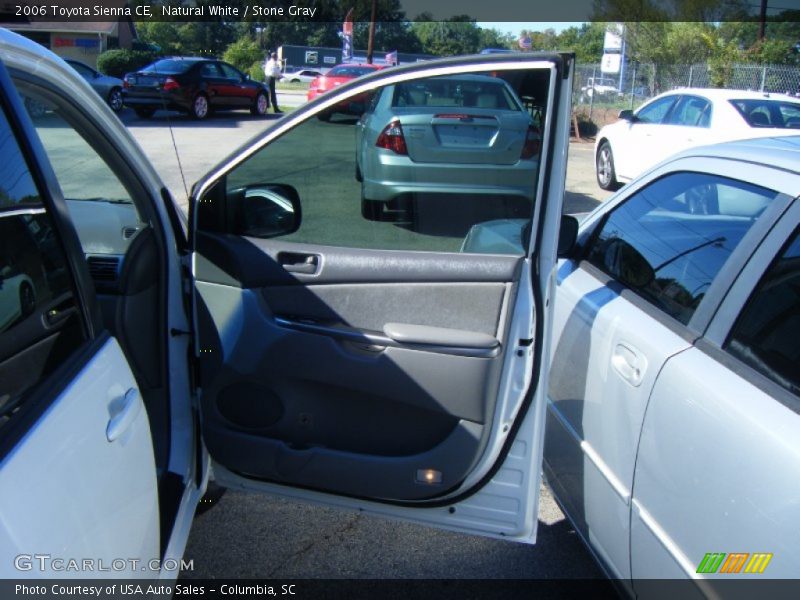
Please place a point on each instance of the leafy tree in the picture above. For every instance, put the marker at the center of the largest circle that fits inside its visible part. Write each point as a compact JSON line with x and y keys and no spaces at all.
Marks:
{"x":454,"y":36}
{"x":585,"y":41}
{"x":163,"y":34}
{"x":118,"y":62}
{"x":243,"y":54}
{"x":493,"y":38}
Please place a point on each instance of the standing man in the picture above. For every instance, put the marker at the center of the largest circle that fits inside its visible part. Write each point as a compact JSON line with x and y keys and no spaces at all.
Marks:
{"x":272,"y":71}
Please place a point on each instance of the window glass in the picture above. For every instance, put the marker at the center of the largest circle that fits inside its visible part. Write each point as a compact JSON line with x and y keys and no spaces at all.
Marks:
{"x":669,"y":240}
{"x":82,"y":69}
{"x":39,"y":323}
{"x":169,"y":66}
{"x":691,"y":111}
{"x":454,"y":92}
{"x":412,"y":177}
{"x":769,"y":113}
{"x":350,"y":71}
{"x":100,"y":205}
{"x":229,"y":72}
{"x":766,"y":334}
{"x":655,"y":111}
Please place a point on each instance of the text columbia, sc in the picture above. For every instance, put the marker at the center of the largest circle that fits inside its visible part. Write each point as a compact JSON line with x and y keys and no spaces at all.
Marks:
{"x":232,"y":11}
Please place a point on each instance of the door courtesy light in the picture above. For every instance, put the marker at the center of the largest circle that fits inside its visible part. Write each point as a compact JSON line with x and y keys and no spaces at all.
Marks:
{"x":429,"y":476}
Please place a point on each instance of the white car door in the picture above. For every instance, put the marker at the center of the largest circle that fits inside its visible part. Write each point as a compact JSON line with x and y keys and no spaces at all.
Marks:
{"x":715,"y":499}
{"x":642,"y":144}
{"x":76,"y":456}
{"x":371,"y":364}
{"x":687,"y":125}
{"x":650,"y":268}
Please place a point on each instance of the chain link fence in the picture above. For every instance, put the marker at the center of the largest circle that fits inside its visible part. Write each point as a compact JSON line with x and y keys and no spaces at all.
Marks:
{"x":598,"y":97}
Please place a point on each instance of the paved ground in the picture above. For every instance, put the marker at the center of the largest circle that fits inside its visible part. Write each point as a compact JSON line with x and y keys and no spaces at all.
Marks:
{"x":250,"y":536}
{"x":202,"y":145}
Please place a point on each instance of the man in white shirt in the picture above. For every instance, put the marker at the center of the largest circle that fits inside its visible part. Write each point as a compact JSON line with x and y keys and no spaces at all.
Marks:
{"x":272,"y":71}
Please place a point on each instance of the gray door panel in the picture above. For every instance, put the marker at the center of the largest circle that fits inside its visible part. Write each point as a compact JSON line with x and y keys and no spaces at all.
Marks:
{"x":302,"y":384}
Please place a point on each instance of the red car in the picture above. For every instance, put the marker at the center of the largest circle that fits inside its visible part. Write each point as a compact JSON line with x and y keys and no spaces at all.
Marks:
{"x":337,"y":76}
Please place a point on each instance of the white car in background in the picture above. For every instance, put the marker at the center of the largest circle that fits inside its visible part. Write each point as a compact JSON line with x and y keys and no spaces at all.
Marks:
{"x":599,"y":87}
{"x":684,"y":118}
{"x":302,"y":76}
{"x":17,"y":297}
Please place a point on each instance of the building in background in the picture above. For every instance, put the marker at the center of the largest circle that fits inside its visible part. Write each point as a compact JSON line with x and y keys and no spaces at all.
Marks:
{"x":321,"y":58}
{"x":76,"y":40}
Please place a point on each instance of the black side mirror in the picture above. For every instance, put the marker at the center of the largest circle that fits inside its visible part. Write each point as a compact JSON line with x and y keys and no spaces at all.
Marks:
{"x":567,"y":235}
{"x":627,"y":115}
{"x":263,"y":210}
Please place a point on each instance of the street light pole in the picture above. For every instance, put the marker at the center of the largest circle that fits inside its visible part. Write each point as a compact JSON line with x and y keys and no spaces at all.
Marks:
{"x":371,"y":40}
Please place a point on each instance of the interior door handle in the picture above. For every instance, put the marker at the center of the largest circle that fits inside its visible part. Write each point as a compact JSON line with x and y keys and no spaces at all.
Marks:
{"x":629,"y":363}
{"x":125,"y":415}
{"x":298,"y":262}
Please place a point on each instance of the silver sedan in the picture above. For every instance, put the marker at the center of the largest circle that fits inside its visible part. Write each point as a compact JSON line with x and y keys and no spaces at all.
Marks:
{"x":109,"y":88}
{"x":458,"y":135}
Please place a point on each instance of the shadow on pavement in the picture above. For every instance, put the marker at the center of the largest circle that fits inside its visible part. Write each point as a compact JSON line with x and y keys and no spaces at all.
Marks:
{"x":175,"y":119}
{"x":575,"y":202}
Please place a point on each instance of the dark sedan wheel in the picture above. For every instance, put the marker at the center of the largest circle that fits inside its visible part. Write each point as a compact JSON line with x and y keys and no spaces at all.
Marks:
{"x":115,"y":99}
{"x":260,"y":105}
{"x":144,"y":112}
{"x":604,"y":166}
{"x":200,"y":108}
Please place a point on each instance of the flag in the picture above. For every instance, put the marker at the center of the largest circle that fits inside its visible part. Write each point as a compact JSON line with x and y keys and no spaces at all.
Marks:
{"x":391,"y":58}
{"x":347,"y":37}
{"x":347,"y":26}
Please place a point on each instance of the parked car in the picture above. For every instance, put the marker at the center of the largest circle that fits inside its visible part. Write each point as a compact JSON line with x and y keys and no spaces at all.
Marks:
{"x":197,"y":86}
{"x":337,"y":76}
{"x":599,"y":87}
{"x":17,"y":295}
{"x":275,"y":264}
{"x":455,"y":136}
{"x":109,"y":88}
{"x":301,"y":76}
{"x":683,"y":118}
{"x":675,"y":372}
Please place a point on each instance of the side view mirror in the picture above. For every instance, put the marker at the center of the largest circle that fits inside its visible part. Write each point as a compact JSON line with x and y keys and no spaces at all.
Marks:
{"x":567,"y":235}
{"x":264,"y":210}
{"x":623,"y":261}
{"x":627,"y":115}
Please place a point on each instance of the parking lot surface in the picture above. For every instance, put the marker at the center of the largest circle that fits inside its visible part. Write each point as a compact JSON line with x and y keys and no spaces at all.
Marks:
{"x":249,"y":536}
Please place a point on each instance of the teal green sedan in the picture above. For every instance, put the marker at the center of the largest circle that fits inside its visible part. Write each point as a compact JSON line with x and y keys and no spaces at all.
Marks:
{"x":455,"y":136}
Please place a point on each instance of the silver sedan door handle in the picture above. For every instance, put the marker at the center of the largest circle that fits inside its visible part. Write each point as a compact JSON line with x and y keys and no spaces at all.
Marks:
{"x":125,"y":416}
{"x":629,"y":363}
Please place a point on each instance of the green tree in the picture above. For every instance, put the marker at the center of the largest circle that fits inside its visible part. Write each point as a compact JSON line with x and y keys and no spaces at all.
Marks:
{"x":454,"y":36}
{"x":493,"y":38}
{"x":163,"y":34}
{"x":585,"y":41}
{"x":243,"y":54}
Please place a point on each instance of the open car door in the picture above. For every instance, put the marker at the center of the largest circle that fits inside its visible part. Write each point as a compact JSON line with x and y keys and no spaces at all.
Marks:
{"x":372,"y":326}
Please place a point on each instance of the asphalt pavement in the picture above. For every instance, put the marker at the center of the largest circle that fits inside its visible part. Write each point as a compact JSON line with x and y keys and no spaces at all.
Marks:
{"x":249,"y":536}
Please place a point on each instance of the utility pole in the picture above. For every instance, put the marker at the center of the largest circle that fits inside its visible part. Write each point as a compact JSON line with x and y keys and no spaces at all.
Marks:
{"x":762,"y":20}
{"x":371,"y":41}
